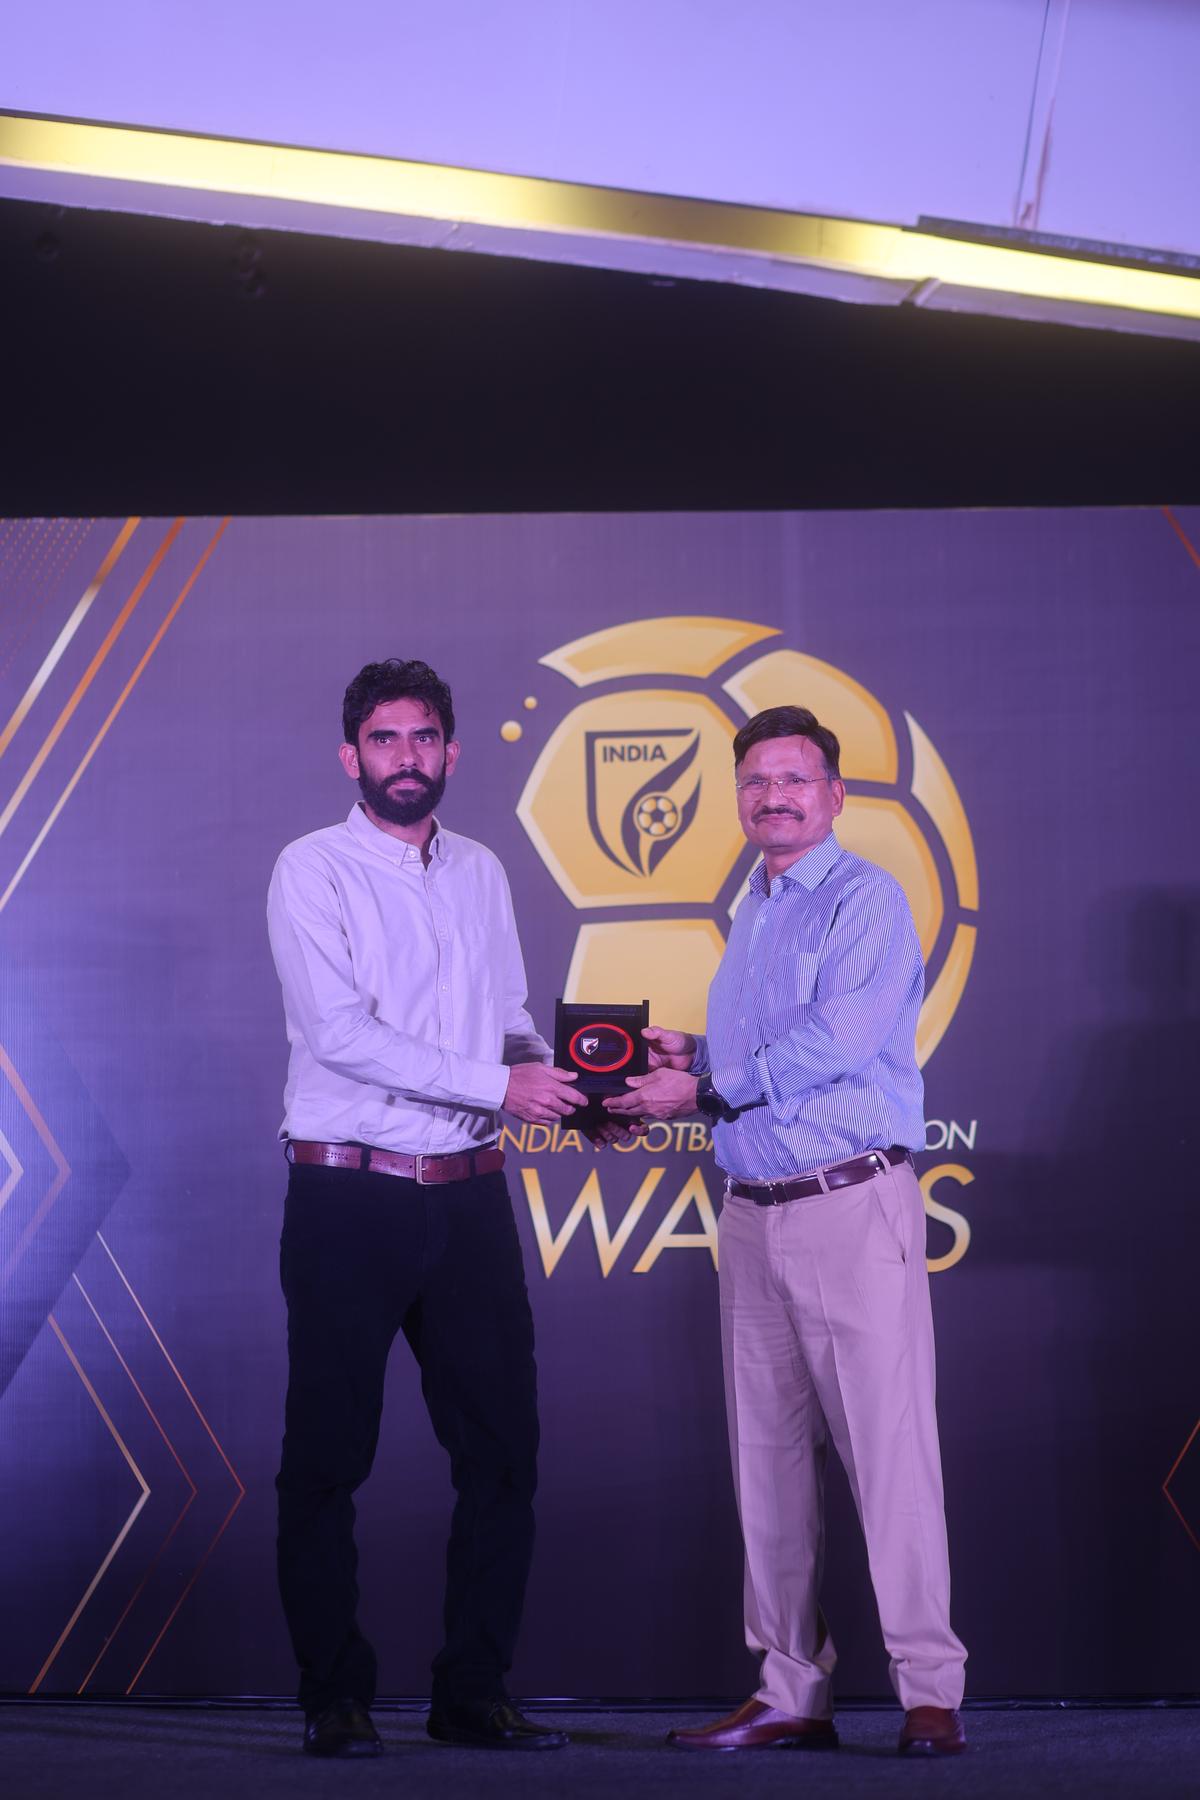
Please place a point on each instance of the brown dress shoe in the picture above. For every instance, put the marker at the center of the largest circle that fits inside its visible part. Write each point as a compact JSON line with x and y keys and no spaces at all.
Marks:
{"x":932,"y":1731}
{"x":757,"y":1727}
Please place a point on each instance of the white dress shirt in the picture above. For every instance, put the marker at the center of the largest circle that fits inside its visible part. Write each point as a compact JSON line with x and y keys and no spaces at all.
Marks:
{"x":403,"y":987}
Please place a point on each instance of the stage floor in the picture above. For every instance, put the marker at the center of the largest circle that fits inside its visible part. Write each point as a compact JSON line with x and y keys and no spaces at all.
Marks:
{"x":118,"y":1752}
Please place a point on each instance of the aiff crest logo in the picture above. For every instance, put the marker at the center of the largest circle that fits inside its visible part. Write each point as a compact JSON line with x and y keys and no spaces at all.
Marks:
{"x":635,"y":829}
{"x":630,"y":805}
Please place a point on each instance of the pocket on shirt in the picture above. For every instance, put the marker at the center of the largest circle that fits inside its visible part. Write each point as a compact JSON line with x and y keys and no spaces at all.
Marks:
{"x":802,"y":974}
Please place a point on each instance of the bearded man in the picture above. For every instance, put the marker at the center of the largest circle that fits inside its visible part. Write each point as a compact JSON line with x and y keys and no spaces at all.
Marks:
{"x":404,"y":992}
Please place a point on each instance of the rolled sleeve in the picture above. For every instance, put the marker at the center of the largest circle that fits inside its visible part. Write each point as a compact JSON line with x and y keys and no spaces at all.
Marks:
{"x":740,"y":1084}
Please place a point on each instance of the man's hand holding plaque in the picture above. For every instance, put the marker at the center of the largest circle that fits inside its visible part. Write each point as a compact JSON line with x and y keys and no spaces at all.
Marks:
{"x":666,"y":1091}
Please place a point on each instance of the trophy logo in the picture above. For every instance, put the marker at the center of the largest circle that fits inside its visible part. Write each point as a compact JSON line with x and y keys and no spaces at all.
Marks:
{"x":642,"y":793}
{"x":602,"y":1049}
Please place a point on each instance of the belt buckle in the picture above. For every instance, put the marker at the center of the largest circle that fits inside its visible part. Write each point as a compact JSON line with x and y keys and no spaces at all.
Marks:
{"x":459,"y":1157}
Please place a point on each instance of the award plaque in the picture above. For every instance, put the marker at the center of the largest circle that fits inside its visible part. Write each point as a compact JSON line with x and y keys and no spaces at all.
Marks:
{"x":603,"y":1045}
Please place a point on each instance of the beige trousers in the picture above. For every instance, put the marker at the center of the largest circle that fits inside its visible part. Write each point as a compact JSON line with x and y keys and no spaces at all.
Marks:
{"x":827,"y":1333}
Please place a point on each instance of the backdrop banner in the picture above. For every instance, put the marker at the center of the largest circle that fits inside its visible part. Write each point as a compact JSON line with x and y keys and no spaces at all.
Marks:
{"x":1016,"y":695}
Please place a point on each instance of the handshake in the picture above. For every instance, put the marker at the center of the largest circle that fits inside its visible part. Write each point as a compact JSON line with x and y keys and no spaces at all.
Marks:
{"x":545,"y":1095}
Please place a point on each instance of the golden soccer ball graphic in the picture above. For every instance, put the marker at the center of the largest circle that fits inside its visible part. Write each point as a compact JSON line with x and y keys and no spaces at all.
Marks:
{"x":630,"y":803}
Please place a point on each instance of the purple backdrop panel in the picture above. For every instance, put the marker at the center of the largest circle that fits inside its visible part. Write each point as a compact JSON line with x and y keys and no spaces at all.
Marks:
{"x":1015,"y":693}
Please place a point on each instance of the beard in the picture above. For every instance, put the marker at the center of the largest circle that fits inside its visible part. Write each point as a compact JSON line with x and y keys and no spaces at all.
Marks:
{"x":398,"y":808}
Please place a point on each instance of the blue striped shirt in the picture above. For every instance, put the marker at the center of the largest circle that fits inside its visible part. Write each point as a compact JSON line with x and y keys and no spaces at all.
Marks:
{"x":812,"y":1019}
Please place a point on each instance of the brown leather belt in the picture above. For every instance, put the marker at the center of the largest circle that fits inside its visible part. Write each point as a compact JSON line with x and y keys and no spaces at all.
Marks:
{"x":838,"y":1175}
{"x":425,"y":1169}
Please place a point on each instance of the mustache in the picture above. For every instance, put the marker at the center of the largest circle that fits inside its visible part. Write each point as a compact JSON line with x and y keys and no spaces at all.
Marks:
{"x":779,"y":812}
{"x":409,"y":775}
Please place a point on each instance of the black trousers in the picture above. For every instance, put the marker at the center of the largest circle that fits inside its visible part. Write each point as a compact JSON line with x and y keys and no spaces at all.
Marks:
{"x":362,"y":1257}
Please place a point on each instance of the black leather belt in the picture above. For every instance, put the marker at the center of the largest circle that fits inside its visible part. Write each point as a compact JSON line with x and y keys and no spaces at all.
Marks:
{"x":425,"y":1169}
{"x":803,"y":1187}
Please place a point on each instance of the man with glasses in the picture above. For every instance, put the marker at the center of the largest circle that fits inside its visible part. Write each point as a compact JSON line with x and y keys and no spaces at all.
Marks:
{"x":808,"y":1073}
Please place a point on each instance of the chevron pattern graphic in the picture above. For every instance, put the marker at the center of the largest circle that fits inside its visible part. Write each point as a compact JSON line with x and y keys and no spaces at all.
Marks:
{"x":84,"y":605}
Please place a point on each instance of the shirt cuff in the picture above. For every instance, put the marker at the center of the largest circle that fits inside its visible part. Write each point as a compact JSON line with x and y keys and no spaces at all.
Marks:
{"x":699,"y":1064}
{"x":739,"y":1085}
{"x":489,"y":1081}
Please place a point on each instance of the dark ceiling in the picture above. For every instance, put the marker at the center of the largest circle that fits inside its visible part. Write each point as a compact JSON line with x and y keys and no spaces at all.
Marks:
{"x":157,"y":366}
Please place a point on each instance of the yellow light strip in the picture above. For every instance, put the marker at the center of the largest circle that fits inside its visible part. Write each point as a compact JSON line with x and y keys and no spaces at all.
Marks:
{"x":516,"y":202}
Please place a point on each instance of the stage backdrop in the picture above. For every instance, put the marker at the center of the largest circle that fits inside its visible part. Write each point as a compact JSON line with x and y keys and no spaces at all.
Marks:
{"x":1016,"y":693}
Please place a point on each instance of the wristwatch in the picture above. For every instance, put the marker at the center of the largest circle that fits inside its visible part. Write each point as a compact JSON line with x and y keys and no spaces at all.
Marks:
{"x":709,"y":1101}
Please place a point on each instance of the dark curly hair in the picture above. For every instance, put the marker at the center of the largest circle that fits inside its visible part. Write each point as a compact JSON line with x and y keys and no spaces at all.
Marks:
{"x":395,"y":680}
{"x":789,"y":721}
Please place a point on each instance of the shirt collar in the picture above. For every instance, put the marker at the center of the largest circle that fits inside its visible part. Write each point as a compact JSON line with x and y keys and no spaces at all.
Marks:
{"x":395,"y":849}
{"x":809,"y":870}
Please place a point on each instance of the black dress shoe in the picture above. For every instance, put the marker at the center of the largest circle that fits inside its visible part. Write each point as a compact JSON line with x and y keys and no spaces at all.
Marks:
{"x":343,"y":1729}
{"x":491,"y":1725}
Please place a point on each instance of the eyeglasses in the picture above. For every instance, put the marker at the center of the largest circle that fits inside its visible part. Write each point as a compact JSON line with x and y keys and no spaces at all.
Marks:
{"x":787,"y":784}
